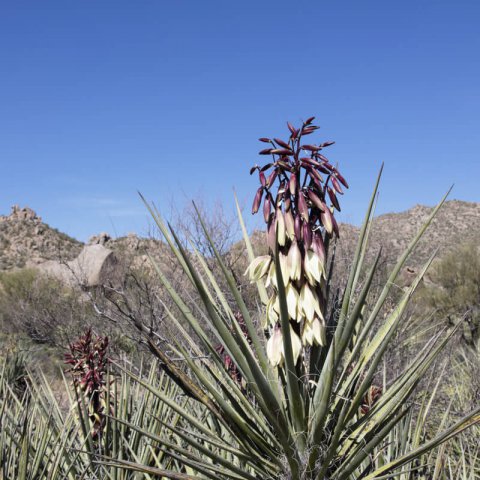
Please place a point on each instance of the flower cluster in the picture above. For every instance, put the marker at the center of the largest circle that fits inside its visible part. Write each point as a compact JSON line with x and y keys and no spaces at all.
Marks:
{"x":299,"y":189}
{"x":88,"y":360}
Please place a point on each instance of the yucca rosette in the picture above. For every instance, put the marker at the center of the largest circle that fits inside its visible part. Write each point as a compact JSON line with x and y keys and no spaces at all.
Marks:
{"x":298,"y":196}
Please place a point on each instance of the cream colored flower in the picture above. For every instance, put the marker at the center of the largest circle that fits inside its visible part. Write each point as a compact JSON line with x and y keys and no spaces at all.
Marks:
{"x":281,"y":232}
{"x":307,"y":334}
{"x":275,"y":348}
{"x":296,"y":345}
{"x":294,"y":258}
{"x":314,"y":268}
{"x":258,"y":268}
{"x":289,"y":225}
{"x":314,"y":333}
{"x":292,"y":301}
{"x":309,"y":304}
{"x":272,"y":315}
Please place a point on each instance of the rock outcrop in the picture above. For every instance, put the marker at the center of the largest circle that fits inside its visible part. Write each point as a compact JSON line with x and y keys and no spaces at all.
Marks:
{"x":95,"y":266}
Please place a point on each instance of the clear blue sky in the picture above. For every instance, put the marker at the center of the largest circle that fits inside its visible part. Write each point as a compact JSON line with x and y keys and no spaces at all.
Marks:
{"x":101,"y":98}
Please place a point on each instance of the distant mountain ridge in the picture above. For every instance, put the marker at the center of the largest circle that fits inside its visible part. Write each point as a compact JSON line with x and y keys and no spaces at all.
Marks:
{"x":456,"y":223}
{"x":26,"y":240}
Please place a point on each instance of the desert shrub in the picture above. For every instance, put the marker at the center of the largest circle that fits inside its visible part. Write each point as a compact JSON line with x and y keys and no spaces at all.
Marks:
{"x":452,"y":290}
{"x":43,"y":308}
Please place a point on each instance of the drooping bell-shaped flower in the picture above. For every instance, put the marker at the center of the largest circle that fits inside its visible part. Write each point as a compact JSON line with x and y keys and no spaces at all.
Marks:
{"x":314,"y":332}
{"x":294,"y":261}
{"x":280,"y":223}
{"x":272,"y":314}
{"x":275,"y":347}
{"x":258,"y":268}
{"x":314,"y":268}
{"x":309,"y":303}
{"x":290,"y":224}
{"x":292,"y":301}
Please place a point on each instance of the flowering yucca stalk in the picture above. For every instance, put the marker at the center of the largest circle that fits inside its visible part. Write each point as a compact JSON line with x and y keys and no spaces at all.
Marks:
{"x":88,"y":365}
{"x":308,"y":406}
{"x":299,"y":198}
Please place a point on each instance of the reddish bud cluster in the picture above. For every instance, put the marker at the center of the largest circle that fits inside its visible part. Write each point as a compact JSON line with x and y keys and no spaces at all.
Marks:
{"x":88,"y":360}
{"x":300,"y":191}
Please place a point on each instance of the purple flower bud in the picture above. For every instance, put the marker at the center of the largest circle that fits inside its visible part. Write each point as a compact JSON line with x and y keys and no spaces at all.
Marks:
{"x":271,"y":178}
{"x":314,"y":174}
{"x":264,"y":140}
{"x":283,"y":164}
{"x":282,"y":143}
{"x":326,"y":218}
{"x":302,"y":207}
{"x":333,"y":198}
{"x":341,"y":179}
{"x":324,"y":170}
{"x":267,"y":206}
{"x":310,"y":161}
{"x":271,"y":234}
{"x":307,"y":235}
{"x":262,"y":178}
{"x":282,"y":151}
{"x":297,"y":224}
{"x":315,"y":199}
{"x":257,"y":200}
{"x":308,"y":131}
{"x":318,"y":247}
{"x":266,"y":151}
{"x":309,"y":120}
{"x":310,"y":148}
{"x":293,"y":184}
{"x":336,"y":185}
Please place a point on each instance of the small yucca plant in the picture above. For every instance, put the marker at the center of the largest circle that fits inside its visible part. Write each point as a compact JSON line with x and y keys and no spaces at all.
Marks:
{"x":309,"y":405}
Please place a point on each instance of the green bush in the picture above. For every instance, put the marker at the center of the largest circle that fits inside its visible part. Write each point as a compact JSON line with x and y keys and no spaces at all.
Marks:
{"x":453,"y":290}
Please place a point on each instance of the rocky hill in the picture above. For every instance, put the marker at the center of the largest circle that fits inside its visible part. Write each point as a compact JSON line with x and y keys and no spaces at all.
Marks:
{"x":25,"y":240}
{"x":456,"y":223}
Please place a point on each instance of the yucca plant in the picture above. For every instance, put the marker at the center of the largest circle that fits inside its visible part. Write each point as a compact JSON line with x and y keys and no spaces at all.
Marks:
{"x":308,"y":405}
